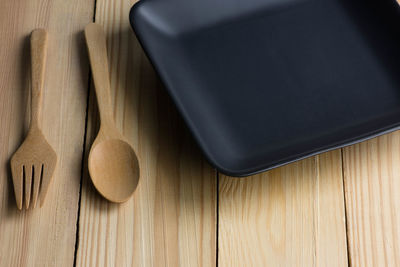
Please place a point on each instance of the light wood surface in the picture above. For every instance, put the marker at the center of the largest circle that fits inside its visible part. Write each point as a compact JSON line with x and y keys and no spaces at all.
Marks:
{"x":290,"y":216}
{"x":113,"y":164}
{"x":43,"y":236}
{"x":33,"y":165}
{"x":336,"y":209}
{"x":372,"y":182}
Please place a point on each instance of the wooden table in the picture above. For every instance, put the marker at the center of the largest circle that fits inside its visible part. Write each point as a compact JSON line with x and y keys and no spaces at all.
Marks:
{"x":336,"y":209}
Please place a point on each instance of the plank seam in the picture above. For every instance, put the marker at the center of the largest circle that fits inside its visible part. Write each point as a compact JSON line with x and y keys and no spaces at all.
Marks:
{"x":83,"y":154}
{"x":345,"y":208}
{"x":81,"y":180}
{"x":217,"y":221}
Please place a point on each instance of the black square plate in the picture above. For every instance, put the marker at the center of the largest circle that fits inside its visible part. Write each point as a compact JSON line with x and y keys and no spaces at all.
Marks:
{"x":265,"y":82}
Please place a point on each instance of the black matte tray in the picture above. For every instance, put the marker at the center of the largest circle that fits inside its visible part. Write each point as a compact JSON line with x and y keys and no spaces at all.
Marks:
{"x":262,"y":83}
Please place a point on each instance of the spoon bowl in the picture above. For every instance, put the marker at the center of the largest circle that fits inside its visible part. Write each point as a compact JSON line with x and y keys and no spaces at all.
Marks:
{"x":114,"y":169}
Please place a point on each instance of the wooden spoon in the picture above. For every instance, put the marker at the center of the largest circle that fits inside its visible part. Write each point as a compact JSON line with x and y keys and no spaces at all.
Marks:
{"x":113,"y":164}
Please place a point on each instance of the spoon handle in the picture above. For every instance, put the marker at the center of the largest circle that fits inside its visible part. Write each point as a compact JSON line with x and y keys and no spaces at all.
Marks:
{"x":96,"y":43}
{"x":38,"y":62}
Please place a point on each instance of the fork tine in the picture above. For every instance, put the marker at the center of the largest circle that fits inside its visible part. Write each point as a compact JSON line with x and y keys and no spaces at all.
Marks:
{"x":47,"y":173}
{"x":17,"y":172}
{"x":28,"y":184}
{"x":36,"y":182}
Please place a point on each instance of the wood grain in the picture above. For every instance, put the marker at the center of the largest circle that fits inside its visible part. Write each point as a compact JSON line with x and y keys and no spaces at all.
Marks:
{"x":45,"y":236}
{"x":372,"y":182}
{"x":290,"y":216}
{"x":171,"y":219}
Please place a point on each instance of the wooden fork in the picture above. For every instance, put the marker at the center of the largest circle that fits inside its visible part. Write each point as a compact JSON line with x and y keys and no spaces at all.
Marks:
{"x":33,"y":164}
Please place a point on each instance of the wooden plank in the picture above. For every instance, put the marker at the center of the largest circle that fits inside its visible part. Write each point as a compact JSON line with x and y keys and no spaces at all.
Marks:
{"x":372,"y":183}
{"x":43,"y":236}
{"x":171,"y":219}
{"x":290,"y":216}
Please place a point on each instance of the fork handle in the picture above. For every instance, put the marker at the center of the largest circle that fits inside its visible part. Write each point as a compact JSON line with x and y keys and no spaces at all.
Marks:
{"x":38,"y":62}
